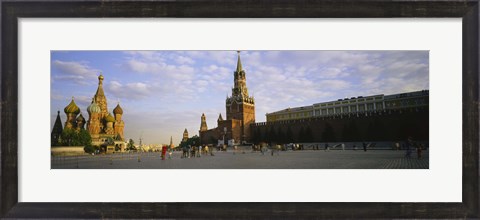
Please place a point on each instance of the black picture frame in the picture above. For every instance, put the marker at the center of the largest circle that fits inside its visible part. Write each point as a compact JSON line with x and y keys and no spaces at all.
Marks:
{"x":466,"y":9}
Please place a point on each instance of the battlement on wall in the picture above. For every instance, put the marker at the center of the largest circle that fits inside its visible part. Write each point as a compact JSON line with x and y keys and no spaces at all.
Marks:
{"x":393,"y":125}
{"x":347,"y":116}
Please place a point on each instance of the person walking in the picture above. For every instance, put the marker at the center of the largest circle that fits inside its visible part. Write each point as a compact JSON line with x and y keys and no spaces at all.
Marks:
{"x":206,"y":149}
{"x":193,"y":151}
{"x":364,"y":146}
{"x":189,"y":152}
{"x":184,"y":151}
{"x":419,"y":151}
{"x":327,"y":148}
{"x":164,"y":152}
{"x":199,"y":151}
{"x":275,"y":149}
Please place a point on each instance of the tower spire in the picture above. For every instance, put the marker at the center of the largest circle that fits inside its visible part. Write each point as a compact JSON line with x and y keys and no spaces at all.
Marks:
{"x":100,"y":98}
{"x":239,"y":62}
{"x":203,"y":123}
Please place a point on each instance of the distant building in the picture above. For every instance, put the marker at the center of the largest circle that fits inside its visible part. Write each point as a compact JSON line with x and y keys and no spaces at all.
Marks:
{"x":360,"y":104}
{"x":185,"y":135}
{"x":240,"y":108}
{"x":171,"y":143}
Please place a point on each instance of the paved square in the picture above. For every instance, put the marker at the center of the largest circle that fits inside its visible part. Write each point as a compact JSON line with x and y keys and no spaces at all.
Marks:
{"x":306,"y":159}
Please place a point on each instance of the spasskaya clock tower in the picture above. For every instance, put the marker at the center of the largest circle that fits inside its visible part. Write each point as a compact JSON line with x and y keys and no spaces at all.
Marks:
{"x":240,"y":105}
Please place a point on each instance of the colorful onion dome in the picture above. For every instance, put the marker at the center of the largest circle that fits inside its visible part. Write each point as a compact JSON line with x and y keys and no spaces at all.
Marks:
{"x":93,"y":108}
{"x":109,"y":118}
{"x":72,"y":108}
{"x":118,"y":109}
{"x":81,"y":118}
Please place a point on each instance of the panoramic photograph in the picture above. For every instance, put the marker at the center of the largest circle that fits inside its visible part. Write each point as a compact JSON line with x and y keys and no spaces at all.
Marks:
{"x":244,"y":109}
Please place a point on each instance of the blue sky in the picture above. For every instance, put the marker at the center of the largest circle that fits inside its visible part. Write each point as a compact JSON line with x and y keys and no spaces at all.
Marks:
{"x":164,"y":92}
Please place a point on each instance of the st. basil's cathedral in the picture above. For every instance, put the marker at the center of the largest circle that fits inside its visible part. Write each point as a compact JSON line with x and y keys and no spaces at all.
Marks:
{"x":101,"y":124}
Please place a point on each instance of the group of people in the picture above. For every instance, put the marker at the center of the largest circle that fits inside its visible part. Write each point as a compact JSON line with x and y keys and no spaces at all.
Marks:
{"x":263,"y":148}
{"x":189,"y":151}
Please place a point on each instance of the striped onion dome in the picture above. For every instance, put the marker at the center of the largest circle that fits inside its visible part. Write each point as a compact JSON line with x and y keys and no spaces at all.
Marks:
{"x":118,"y":109}
{"x":81,"y":118}
{"x":72,"y":108}
{"x":109,"y":118}
{"x":93,"y":108}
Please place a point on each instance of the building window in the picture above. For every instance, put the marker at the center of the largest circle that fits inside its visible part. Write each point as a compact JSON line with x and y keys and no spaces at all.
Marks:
{"x":317,"y":112}
{"x":345,"y":109}
{"x":353,"y":108}
{"x":330,"y":111}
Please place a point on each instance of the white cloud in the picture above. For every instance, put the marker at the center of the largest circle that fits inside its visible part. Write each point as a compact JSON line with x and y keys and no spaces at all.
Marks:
{"x":83,"y":102}
{"x":77,"y":72}
{"x":136,"y":90}
{"x":330,"y":72}
{"x":333,"y":84}
{"x":161,"y":69}
{"x":184,"y":60}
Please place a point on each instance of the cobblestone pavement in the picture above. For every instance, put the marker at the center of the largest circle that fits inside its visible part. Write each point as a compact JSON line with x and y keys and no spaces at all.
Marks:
{"x":308,"y":159}
{"x":406,"y":163}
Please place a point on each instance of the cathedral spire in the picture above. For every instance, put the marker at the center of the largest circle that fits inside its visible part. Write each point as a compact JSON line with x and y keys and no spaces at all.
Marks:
{"x":100,"y":86}
{"x":56,"y":131}
{"x":239,"y":63}
{"x":100,"y":98}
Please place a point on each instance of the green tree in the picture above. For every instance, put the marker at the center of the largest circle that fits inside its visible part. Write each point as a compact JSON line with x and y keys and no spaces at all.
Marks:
{"x":192,"y":141}
{"x":90,"y":149}
{"x":72,"y":137}
{"x":84,"y":138}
